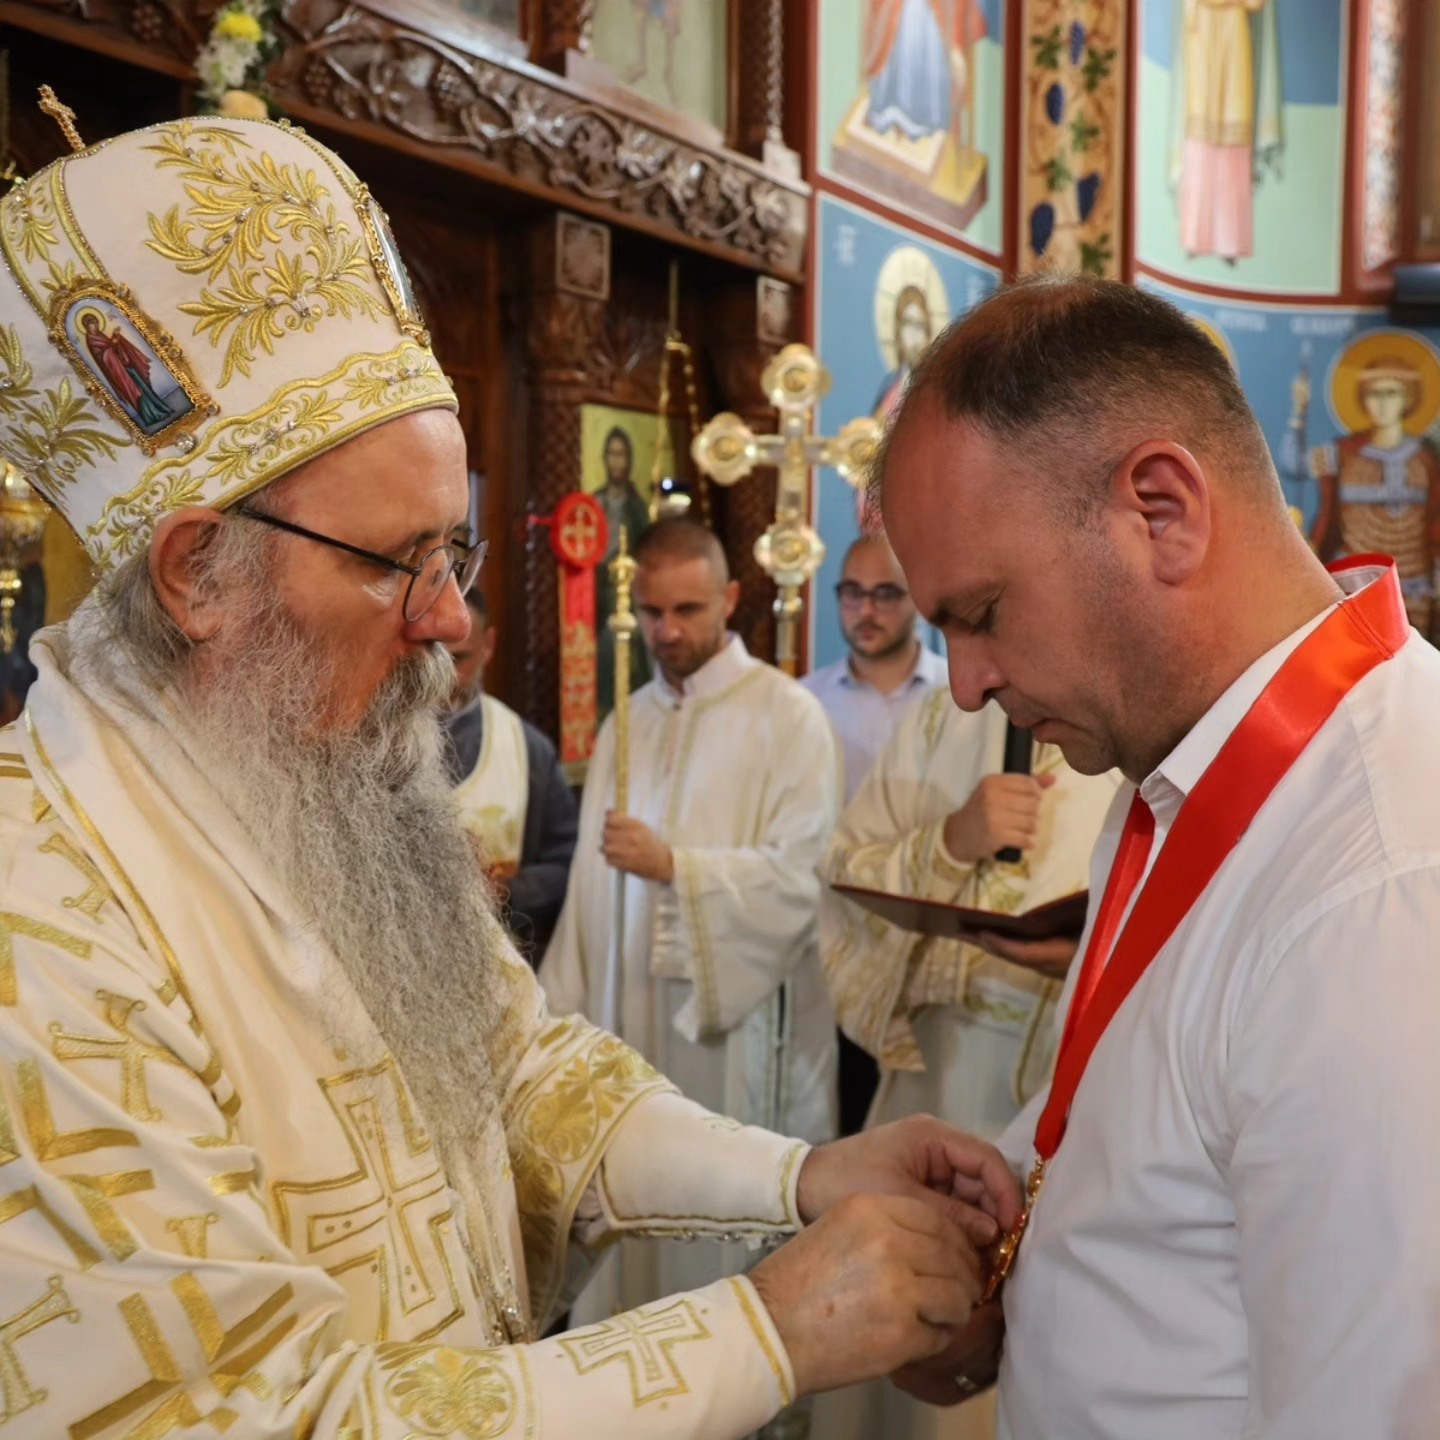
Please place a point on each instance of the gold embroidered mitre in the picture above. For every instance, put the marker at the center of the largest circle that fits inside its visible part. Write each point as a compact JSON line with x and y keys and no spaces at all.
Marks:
{"x":190,"y":311}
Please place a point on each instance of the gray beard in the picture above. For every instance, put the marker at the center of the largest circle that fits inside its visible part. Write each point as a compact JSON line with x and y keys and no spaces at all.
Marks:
{"x":361,"y":830}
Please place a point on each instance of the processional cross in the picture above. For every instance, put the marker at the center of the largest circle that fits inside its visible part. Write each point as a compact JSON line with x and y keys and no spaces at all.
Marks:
{"x":790,"y":552}
{"x":728,"y":450}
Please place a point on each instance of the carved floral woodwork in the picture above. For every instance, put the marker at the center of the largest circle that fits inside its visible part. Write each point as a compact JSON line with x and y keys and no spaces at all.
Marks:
{"x":537,"y":130}
{"x":502,"y":118}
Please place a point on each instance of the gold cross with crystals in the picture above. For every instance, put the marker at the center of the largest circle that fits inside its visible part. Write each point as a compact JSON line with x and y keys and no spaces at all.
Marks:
{"x":728,"y":450}
{"x":641,"y":1341}
{"x":62,"y":115}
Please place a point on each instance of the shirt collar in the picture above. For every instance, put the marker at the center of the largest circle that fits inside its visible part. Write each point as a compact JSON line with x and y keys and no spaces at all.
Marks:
{"x":718,"y":673}
{"x":922,"y":673}
{"x":1178,"y":774}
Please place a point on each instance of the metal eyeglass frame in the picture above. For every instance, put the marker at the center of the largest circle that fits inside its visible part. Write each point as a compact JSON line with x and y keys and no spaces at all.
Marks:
{"x":465,"y":564}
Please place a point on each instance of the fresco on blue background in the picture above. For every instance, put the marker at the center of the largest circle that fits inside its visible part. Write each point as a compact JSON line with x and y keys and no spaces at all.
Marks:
{"x":1350,"y":404}
{"x":1240,"y":143}
{"x":882,"y":294}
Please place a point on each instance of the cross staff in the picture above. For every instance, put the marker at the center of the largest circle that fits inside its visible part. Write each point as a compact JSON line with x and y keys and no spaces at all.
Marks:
{"x":622,"y":625}
{"x":727,"y":450}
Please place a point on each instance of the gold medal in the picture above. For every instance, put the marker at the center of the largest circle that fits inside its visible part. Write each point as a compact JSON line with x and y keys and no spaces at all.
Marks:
{"x":1009,"y":1245}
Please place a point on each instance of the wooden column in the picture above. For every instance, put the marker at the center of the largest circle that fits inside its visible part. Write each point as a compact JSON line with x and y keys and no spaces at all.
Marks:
{"x":563,"y":29}
{"x":569,"y":275}
{"x":754,"y":320}
{"x":758,"y":66}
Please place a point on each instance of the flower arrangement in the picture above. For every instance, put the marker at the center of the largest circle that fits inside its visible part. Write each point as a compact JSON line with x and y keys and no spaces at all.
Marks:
{"x":232,"y":62}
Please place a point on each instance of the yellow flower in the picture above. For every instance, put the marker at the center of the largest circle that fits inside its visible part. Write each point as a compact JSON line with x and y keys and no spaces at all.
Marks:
{"x":237,"y":25}
{"x":242,"y":105}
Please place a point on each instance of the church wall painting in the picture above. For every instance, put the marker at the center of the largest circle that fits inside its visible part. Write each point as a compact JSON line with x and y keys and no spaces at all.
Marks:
{"x":911,"y":108}
{"x":1350,"y":406}
{"x":882,"y":294}
{"x":1240,"y":140}
{"x":617,"y":449}
{"x":671,"y":52}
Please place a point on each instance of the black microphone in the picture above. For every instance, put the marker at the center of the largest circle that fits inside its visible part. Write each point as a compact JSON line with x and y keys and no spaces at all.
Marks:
{"x":1019,"y":751}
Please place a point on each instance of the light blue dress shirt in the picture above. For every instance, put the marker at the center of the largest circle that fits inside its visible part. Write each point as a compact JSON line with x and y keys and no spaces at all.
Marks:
{"x":862,"y":718}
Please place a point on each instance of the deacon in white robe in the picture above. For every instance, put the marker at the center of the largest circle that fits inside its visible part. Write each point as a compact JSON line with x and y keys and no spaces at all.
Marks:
{"x":957,"y":1032}
{"x":733,"y":786}
{"x":288,"y":1142}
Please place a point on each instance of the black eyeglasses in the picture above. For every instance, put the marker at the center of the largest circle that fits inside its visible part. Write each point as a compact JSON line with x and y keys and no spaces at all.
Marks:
{"x":427,"y":579}
{"x":852,"y":595}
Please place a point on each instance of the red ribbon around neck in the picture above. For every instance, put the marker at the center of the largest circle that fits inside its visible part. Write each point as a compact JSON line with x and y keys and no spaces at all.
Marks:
{"x":1364,"y":630}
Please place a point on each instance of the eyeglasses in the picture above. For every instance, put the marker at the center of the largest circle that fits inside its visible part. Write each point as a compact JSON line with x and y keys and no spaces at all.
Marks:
{"x":852,"y":595}
{"x":427,"y":579}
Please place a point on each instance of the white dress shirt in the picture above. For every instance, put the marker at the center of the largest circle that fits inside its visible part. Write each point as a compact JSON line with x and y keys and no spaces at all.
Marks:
{"x":1240,"y":1233}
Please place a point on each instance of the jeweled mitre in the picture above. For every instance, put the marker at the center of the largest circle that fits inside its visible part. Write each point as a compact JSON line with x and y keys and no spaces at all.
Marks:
{"x":190,"y":311}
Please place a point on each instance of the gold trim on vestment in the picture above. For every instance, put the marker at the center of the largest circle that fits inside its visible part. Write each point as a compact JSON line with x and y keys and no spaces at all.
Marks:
{"x":762,"y":1335}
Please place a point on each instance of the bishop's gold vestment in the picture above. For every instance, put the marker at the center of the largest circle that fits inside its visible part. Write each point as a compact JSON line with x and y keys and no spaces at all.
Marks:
{"x":219,"y":1208}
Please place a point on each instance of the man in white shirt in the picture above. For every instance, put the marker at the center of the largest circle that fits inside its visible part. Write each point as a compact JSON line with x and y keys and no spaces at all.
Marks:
{"x":1236,"y":1232}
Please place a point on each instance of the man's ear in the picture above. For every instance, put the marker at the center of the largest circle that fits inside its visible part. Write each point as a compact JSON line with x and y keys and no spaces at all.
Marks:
{"x":1163,"y":487}
{"x":180,"y":542}
{"x":487,"y":645}
{"x":732,"y":597}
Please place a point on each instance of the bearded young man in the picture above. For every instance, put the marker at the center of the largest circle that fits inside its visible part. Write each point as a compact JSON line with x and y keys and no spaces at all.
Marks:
{"x":1233,"y":1223}
{"x":886,"y":669}
{"x":288,"y":1141}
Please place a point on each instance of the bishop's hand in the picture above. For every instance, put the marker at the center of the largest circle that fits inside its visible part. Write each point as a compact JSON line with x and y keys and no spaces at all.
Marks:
{"x":964,"y":1179}
{"x":880,"y":1282}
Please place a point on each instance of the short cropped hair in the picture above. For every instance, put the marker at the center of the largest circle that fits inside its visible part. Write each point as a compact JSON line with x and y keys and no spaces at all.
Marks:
{"x":676,"y":538}
{"x":1072,"y":372}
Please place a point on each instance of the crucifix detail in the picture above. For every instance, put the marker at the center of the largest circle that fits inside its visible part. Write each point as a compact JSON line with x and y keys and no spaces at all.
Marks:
{"x":727,"y":450}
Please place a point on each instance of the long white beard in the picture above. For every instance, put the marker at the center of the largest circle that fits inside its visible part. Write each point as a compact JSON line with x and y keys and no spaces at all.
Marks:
{"x":361,"y":829}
